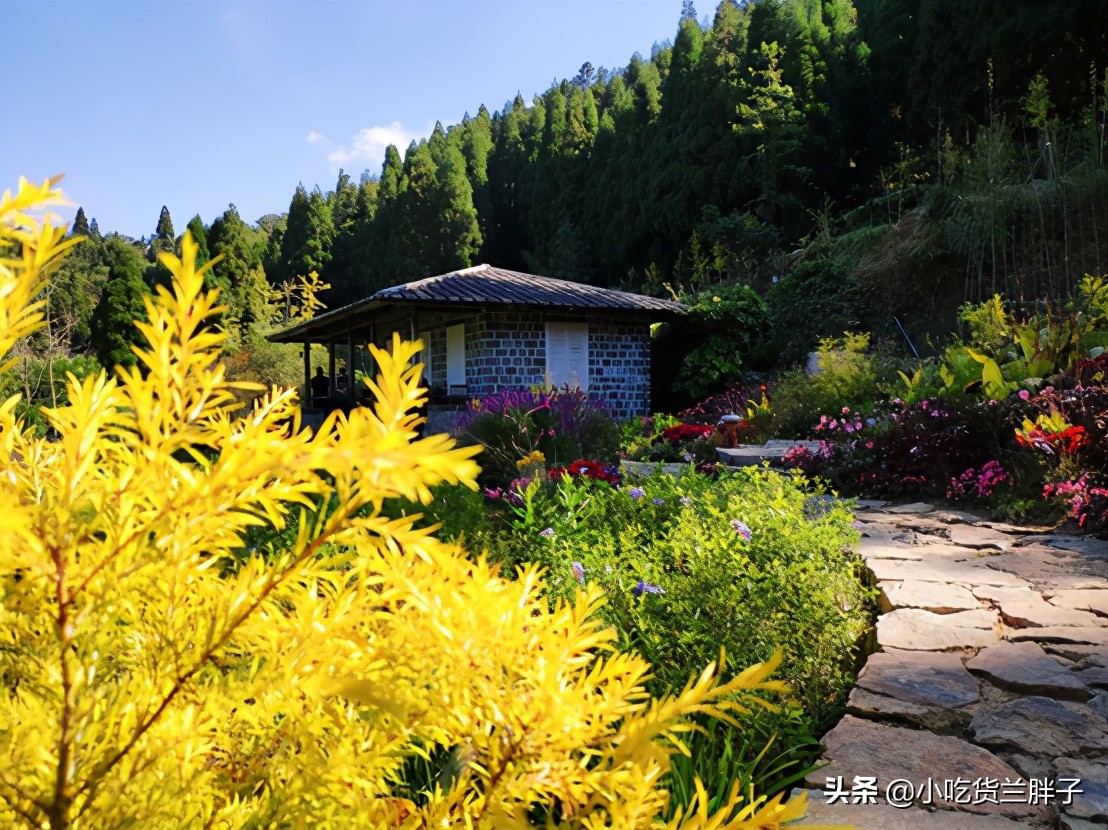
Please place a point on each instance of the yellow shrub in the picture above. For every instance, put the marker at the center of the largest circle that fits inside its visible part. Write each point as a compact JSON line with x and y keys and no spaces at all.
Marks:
{"x":155,"y":676}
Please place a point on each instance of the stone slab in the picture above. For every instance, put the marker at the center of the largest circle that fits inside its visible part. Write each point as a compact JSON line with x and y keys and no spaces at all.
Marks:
{"x":871,"y":504}
{"x":884,"y":817}
{"x":1051,"y":569}
{"x":1094,"y":676}
{"x":918,"y":630}
{"x":1019,"y":530}
{"x":1099,"y":704}
{"x":1061,"y":634}
{"x":1088,"y":545}
{"x":915,"y":508}
{"x":926,"y":678}
{"x":938,"y":570}
{"x":1023,"y":608}
{"x":1077,"y":652}
{"x":750,"y":456}
{"x":975,"y":536}
{"x":924,"y":688}
{"x":1027,"y":669}
{"x":939,"y":597}
{"x":1091,"y":803}
{"x":1093,"y":600}
{"x":941,"y":721}
{"x":1090,"y":799}
{"x":858,"y":747}
{"x":952,"y":517}
{"x":1042,"y":727}
{"x":870,"y":548}
{"x":1071,"y":823}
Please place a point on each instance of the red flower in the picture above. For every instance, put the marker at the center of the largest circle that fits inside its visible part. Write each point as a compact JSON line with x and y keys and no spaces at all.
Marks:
{"x":687,"y":432}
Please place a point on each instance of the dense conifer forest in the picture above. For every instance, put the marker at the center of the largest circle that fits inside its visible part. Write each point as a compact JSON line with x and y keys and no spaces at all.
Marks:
{"x":847,"y":161}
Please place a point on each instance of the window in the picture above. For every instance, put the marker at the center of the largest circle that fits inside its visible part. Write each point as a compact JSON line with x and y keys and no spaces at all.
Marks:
{"x":456,"y":358}
{"x":567,"y":354}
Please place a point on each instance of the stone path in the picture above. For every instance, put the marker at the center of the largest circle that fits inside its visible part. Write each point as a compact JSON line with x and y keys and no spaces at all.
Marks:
{"x":989,"y":694}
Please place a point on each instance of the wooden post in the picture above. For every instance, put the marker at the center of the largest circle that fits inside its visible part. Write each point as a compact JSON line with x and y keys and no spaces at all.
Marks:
{"x":351,"y":390}
{"x":307,"y":399}
{"x":331,"y":364}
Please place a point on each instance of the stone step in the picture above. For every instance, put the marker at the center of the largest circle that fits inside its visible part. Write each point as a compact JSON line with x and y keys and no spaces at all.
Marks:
{"x":752,"y":455}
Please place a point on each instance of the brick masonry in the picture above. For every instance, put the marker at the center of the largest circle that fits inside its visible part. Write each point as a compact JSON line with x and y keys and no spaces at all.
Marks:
{"x":507,"y":350}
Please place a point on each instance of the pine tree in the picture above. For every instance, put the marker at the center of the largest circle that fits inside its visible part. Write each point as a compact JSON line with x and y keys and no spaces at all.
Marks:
{"x":460,"y":238}
{"x":238,"y":246}
{"x":121,"y":302}
{"x":306,"y":244}
{"x":203,"y":255}
{"x":342,"y":270}
{"x":164,"y":232}
{"x":80,"y":224}
{"x":200,"y":237}
{"x":384,"y":254}
{"x":477,"y":144}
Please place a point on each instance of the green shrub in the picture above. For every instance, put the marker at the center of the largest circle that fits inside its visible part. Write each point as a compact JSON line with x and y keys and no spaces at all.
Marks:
{"x":461,"y":514}
{"x":793,"y":583}
{"x":682,"y":582}
{"x":728,"y":322}
{"x":847,"y":378}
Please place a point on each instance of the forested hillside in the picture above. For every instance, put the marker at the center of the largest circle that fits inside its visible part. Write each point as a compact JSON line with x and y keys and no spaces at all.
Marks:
{"x":849,"y":160}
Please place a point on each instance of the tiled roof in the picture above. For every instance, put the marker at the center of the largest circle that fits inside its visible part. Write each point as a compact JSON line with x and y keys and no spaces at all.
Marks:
{"x":481,"y":285}
{"x":484,"y":284}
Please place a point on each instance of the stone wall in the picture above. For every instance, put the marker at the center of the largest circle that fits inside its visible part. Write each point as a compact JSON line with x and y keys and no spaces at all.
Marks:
{"x":619,"y":368}
{"x":507,"y":349}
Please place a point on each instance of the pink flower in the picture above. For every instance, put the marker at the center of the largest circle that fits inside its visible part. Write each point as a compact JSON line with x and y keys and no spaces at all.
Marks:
{"x":1025,"y":395}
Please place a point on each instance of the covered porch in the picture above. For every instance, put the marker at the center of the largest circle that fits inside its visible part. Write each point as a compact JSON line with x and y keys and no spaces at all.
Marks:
{"x":347,"y":333}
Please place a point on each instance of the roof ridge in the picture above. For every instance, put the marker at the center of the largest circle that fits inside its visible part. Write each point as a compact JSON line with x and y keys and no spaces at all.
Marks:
{"x":473,"y":269}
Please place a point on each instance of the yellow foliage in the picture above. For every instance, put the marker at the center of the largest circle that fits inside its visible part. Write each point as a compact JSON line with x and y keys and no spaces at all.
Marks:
{"x":300,"y":298}
{"x":155,"y":675}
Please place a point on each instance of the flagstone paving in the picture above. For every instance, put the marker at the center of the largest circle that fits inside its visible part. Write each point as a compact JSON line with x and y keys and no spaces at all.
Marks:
{"x":986,"y":705}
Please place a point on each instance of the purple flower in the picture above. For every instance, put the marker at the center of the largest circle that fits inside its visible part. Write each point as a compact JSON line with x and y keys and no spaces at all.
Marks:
{"x":547,"y":532}
{"x":636,"y":493}
{"x":657,"y":500}
{"x":579,"y":572}
{"x":646,"y":588}
{"x":493,"y":493}
{"x":742,"y":529}
{"x":685,"y":501}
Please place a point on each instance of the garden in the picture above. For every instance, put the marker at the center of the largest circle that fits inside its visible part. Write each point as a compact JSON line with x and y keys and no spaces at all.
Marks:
{"x":260,"y":625}
{"x":1009,"y":418}
{"x":212,"y":619}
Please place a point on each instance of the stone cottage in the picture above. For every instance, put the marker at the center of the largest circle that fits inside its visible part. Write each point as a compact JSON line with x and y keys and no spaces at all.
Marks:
{"x":486,"y":329}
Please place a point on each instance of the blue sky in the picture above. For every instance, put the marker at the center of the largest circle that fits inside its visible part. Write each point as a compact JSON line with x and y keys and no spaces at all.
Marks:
{"x":198,"y":104}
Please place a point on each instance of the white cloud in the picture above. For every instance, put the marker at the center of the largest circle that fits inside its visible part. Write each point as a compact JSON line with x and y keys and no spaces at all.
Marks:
{"x":315,"y":138}
{"x":369,"y":145}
